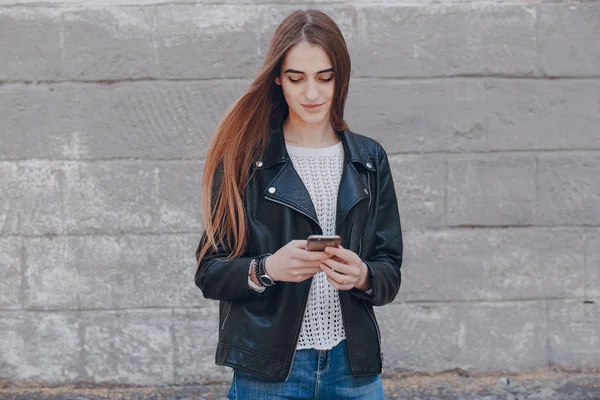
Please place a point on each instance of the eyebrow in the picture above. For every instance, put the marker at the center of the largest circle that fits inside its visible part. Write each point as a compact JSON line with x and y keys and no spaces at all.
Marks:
{"x":300,"y":72}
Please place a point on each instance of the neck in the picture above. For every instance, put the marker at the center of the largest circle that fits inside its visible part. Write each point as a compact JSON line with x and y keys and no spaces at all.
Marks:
{"x":300,"y":133}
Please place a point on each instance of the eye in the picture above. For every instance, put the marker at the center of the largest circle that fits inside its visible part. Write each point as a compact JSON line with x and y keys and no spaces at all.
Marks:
{"x":327,"y":79}
{"x":294,"y":80}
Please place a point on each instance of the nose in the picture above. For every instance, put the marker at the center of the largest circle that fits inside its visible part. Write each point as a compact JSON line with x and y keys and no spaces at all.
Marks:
{"x":312,"y":93}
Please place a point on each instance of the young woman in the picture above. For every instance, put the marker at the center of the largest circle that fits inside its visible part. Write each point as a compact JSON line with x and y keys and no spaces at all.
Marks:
{"x":283,"y":165}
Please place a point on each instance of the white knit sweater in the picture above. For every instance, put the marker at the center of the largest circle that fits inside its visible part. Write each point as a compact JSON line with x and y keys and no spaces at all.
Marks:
{"x":321,"y":172}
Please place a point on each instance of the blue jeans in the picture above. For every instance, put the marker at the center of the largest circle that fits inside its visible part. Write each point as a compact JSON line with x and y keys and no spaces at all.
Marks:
{"x":316,"y":374}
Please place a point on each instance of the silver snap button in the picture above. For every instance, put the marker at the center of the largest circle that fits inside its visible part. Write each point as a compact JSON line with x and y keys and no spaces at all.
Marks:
{"x":272,"y":190}
{"x":369,"y":165}
{"x":259,"y":164}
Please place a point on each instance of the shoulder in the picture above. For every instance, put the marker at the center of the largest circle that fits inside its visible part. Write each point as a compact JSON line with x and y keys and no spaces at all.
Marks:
{"x":371,"y":146}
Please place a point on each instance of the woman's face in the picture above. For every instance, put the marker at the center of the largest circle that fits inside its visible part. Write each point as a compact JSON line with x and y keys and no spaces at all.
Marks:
{"x":307,"y":81}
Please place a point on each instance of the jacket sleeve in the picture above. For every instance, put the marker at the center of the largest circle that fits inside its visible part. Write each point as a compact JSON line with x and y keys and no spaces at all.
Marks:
{"x":222,"y":279}
{"x":219,"y":278}
{"x":384,"y":265}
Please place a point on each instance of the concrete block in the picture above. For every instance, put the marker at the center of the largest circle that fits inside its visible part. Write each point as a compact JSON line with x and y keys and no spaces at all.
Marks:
{"x":419,"y":116}
{"x":133,"y":196}
{"x":493,"y":264}
{"x":30,"y":44}
{"x":109,"y":43}
{"x":40,"y":348}
{"x":196,"y":334}
{"x":207,"y":41}
{"x":420,"y":186}
{"x":103,"y":272}
{"x":43,"y":121}
{"x":156,"y":120}
{"x":569,"y":189}
{"x":478,"y":337}
{"x":574,"y":333}
{"x":31,"y":198}
{"x":446,"y":40}
{"x":568,"y":35}
{"x":111,"y":197}
{"x":130,"y":347}
{"x":543,"y":114}
{"x":10,"y":273}
{"x":180,"y":192}
{"x":491,"y":190}
{"x":592,"y":264}
{"x":147,"y":2}
{"x":49,"y":282}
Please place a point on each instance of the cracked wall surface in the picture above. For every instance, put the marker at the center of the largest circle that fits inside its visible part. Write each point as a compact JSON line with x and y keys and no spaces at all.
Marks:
{"x":489,"y":110}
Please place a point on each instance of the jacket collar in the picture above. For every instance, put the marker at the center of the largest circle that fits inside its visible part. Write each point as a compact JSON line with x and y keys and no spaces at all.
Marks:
{"x":288,"y":189}
{"x":276,"y":152}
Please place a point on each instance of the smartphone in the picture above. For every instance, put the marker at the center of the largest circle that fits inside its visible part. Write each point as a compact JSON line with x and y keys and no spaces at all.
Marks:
{"x":319,"y":242}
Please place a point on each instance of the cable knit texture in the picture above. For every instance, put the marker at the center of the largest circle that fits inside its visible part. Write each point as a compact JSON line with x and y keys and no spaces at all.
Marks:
{"x":321,"y":172}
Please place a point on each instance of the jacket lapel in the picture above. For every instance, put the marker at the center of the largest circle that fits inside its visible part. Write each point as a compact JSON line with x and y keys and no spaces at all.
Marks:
{"x":288,"y":189}
{"x":351,"y":192}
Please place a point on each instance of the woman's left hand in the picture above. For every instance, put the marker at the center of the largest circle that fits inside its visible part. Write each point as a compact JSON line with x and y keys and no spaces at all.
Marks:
{"x":345,"y":269}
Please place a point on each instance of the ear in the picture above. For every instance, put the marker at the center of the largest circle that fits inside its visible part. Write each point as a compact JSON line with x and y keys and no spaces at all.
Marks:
{"x":277,"y":81}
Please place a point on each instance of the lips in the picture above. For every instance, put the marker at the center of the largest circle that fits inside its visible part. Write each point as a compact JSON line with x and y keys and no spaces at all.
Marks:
{"x":312,"y":106}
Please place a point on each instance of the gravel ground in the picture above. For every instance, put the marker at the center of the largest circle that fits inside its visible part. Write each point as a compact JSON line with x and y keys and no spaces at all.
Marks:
{"x":546,"y":384}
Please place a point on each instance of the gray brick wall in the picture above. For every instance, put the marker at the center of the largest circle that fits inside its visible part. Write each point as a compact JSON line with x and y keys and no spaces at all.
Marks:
{"x":490,"y":112}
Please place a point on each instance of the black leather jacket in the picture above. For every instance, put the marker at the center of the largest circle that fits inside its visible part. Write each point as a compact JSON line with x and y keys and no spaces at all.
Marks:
{"x":258,"y":331}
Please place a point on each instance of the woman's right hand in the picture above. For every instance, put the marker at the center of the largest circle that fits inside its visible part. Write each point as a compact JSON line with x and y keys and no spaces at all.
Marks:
{"x":293,"y":263}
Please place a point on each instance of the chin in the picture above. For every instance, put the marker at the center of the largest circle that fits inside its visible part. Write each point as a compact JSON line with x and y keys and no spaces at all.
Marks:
{"x":313,"y":119}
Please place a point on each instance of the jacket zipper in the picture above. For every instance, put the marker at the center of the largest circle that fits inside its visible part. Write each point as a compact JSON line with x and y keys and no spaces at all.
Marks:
{"x":298,"y":332}
{"x":359,"y":246}
{"x":293,"y":208}
{"x":226,"y":316}
{"x":368,"y":208}
{"x":369,"y":189}
{"x":378,"y":335}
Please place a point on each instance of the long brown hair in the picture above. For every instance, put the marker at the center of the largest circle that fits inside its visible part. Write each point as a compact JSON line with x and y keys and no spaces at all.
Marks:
{"x":242,"y":134}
